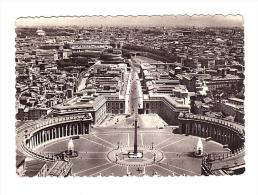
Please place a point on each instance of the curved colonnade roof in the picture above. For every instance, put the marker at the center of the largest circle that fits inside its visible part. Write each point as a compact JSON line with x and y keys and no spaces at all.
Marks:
{"x":238,"y":127}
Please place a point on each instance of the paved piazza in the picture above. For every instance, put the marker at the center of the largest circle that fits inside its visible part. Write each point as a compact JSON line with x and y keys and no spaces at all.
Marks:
{"x":98,"y":151}
{"x":129,"y":101}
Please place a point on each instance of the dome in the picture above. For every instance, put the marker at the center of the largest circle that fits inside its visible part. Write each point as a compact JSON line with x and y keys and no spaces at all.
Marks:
{"x":40,"y":32}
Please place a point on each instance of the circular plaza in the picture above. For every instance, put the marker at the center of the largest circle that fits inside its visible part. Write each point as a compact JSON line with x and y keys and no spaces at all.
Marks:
{"x":107,"y":149}
{"x":104,"y":151}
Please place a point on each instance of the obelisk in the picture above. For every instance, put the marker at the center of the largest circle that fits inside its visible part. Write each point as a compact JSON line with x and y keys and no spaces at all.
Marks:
{"x":135,"y":136}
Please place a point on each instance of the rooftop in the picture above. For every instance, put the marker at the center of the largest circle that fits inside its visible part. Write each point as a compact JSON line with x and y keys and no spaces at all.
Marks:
{"x":89,"y":102}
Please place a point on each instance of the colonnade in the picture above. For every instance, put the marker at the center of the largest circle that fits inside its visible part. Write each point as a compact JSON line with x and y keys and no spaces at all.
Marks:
{"x":220,"y":132}
{"x":58,"y":131}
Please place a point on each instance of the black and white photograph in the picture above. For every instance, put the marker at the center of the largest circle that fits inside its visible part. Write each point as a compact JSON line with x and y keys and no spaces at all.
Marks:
{"x":130,"y":96}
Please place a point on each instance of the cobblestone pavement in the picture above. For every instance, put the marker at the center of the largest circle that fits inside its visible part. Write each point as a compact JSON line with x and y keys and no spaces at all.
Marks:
{"x":93,"y":151}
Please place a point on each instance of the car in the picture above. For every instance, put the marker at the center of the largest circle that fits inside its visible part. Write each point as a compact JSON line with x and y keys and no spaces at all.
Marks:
{"x":208,"y":139}
{"x":225,"y":146}
{"x":76,"y":137}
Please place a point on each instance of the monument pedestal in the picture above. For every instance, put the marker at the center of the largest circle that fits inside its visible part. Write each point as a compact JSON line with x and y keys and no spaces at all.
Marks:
{"x":138,"y":154}
{"x":198,"y":154}
{"x":71,"y":153}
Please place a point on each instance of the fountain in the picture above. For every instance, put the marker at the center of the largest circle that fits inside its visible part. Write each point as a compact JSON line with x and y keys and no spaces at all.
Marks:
{"x":70,"y":149}
{"x":71,"y":146}
{"x":199,"y":149}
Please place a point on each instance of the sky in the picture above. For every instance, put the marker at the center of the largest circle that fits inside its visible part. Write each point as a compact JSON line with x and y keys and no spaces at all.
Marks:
{"x":166,"y":20}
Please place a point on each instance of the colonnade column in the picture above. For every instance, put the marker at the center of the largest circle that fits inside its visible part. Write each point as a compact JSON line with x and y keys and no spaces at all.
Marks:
{"x":222,"y":136}
{"x":36,"y":139}
{"x":40,"y":137}
{"x":195,"y":128}
{"x":89,"y":126}
{"x":31,"y":142}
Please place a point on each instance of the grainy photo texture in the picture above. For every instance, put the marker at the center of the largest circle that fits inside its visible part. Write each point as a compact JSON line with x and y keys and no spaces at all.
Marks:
{"x":130,"y":96}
